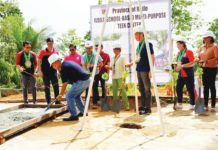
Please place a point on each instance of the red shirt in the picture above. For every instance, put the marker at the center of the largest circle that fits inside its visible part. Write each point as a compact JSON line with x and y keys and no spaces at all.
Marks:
{"x":106,"y":60}
{"x":75,"y":58}
{"x":45,"y":52}
{"x":20,"y":60}
{"x":18,"y":57}
{"x":45,"y":66}
{"x":187,"y":58}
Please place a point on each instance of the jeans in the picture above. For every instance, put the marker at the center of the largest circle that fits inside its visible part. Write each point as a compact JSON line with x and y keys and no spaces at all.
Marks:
{"x":74,"y":98}
{"x":189,"y":82}
{"x":54,"y":80}
{"x":25,"y":80}
{"x":95,"y":88}
{"x":117,"y":85}
{"x":209,"y":78}
{"x":145,"y":89}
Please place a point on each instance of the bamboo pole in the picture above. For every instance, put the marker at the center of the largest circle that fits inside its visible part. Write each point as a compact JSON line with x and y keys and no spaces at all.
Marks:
{"x":95,"y":67}
{"x":152,"y":71}
{"x":134,"y":57}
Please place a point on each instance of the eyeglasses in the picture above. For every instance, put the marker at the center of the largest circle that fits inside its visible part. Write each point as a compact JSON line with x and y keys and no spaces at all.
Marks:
{"x":72,"y":49}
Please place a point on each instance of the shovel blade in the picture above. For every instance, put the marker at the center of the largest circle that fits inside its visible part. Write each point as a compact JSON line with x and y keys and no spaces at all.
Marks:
{"x":49,"y":105}
{"x":199,"y":107}
{"x":105,"y":104}
{"x":116,"y":106}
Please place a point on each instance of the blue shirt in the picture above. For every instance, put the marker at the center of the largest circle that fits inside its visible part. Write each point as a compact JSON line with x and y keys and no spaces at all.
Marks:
{"x":72,"y":72}
{"x":143,"y":64}
{"x":84,"y":62}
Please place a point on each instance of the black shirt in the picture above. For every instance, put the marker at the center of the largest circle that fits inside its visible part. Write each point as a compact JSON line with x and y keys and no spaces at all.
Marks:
{"x":72,"y":72}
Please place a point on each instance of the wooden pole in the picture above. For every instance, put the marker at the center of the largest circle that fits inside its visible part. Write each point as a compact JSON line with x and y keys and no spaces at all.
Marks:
{"x":95,"y":67}
{"x":152,"y":71}
{"x":134,"y":57}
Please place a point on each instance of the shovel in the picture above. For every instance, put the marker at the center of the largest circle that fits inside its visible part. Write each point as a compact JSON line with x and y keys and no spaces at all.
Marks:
{"x":49,"y":105}
{"x":199,"y":103}
{"x":105,"y":104}
{"x":117,"y":102}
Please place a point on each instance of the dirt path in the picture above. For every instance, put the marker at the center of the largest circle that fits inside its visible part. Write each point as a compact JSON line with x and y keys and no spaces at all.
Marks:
{"x":184,"y":130}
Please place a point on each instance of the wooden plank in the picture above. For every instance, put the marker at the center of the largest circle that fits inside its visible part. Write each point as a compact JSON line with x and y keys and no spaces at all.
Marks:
{"x":11,"y":108}
{"x":29,"y":123}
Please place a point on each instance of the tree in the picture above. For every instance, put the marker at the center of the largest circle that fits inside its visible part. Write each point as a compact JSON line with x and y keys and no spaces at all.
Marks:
{"x":9,"y":9}
{"x":182,"y":18}
{"x":13,"y":32}
{"x":87,"y":36}
{"x":213,"y":26}
{"x":69,"y":38}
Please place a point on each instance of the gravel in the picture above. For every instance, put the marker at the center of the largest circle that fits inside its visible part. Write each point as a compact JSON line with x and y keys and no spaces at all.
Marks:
{"x":8,"y":119}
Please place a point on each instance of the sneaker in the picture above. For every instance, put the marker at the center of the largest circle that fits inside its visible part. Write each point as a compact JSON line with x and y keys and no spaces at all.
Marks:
{"x":141,"y":108}
{"x":95,"y":106}
{"x":212,"y":109}
{"x":81,"y":114}
{"x":26,"y":102}
{"x":206,"y":108}
{"x":191,"y":107}
{"x":71,"y":118}
{"x":57,"y":102}
{"x":145,"y":111}
{"x":178,"y":106}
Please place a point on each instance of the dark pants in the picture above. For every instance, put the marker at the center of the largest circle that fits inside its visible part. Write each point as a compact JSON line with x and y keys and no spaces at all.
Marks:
{"x":209,"y":78}
{"x":145,"y":89}
{"x":189,"y":82}
{"x":26,"y":79}
{"x":95,"y":88}
{"x":54,"y":80}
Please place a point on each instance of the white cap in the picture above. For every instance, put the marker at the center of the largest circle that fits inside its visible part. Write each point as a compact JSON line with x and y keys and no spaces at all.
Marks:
{"x":180,"y":39}
{"x":117,"y":45}
{"x":139,"y":30}
{"x":208,"y":34}
{"x":53,"y":58}
{"x":88,"y":44}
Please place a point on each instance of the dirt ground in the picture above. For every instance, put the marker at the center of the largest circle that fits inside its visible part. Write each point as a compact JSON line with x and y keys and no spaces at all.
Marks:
{"x":183,"y":130}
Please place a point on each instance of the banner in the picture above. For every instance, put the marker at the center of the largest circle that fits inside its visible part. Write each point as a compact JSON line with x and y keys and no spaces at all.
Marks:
{"x":157,"y":17}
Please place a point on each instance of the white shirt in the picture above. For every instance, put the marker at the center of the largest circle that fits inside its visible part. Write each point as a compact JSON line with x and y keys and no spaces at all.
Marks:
{"x":118,"y":66}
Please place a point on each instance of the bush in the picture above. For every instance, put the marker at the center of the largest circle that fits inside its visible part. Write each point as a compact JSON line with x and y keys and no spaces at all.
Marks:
{"x":6,"y":72}
{"x":16,"y":78}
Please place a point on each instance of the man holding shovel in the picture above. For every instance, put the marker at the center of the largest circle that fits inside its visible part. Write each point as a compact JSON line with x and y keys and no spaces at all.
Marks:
{"x":26,"y":63}
{"x":71,"y":73}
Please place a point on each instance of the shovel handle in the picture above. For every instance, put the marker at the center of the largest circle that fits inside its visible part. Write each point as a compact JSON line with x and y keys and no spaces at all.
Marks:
{"x":49,"y":105}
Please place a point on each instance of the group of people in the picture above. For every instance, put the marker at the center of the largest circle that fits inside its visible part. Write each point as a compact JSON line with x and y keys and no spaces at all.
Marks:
{"x":207,"y":60}
{"x":76,"y":70}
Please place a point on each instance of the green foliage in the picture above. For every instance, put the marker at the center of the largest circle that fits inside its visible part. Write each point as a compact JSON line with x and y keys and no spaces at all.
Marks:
{"x":87,"y":36}
{"x":8,"y":8}
{"x":214,"y":27}
{"x":6,"y":72}
{"x":69,"y":38}
{"x":120,"y":1}
{"x":183,"y":18}
{"x":16,"y":78}
{"x":13,"y":32}
{"x":99,"y":2}
{"x":199,"y":71}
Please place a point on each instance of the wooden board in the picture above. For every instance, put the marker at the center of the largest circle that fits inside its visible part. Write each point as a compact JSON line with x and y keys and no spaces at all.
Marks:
{"x":32,"y":122}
